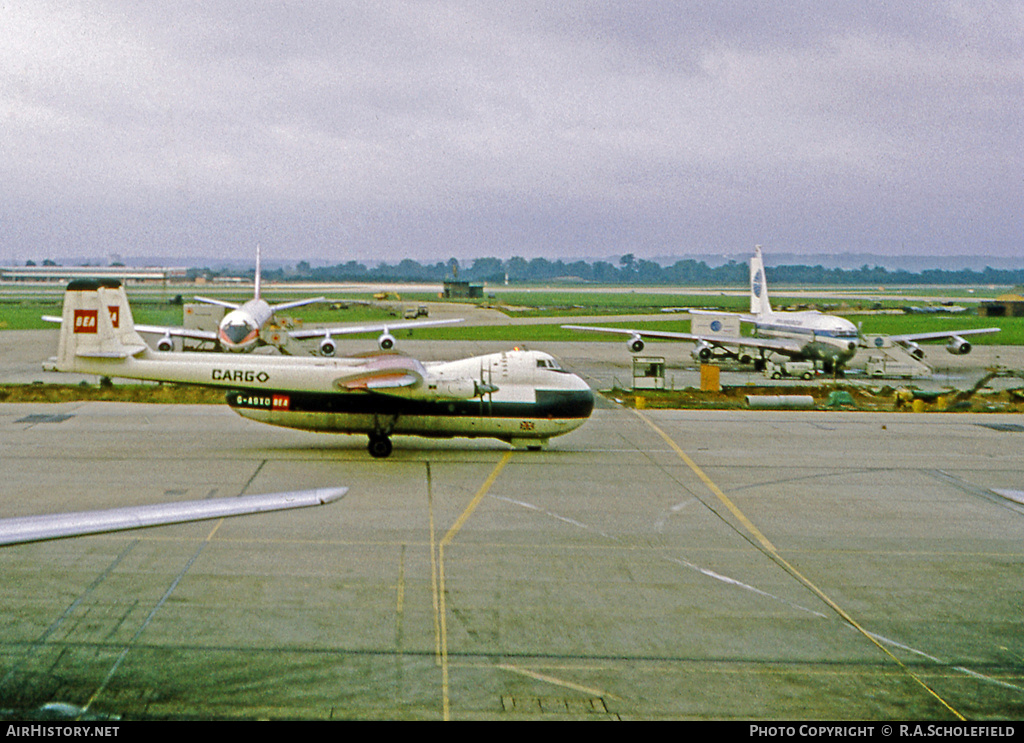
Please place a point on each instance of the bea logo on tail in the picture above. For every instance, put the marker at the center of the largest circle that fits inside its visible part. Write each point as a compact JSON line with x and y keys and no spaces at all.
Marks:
{"x":85,"y":321}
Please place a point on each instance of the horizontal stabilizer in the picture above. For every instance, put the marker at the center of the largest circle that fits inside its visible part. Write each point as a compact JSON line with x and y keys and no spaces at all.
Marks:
{"x":122,"y":353}
{"x":58,"y":526}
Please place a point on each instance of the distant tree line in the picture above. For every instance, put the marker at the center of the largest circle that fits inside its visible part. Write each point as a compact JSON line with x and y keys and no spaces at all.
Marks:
{"x":632,"y":270}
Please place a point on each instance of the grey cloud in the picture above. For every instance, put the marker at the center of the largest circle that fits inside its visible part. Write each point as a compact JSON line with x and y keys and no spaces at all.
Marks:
{"x":433,"y":129}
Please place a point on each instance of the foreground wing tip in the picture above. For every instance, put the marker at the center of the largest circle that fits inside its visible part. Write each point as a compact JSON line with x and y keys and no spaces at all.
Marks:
{"x":329,"y":495}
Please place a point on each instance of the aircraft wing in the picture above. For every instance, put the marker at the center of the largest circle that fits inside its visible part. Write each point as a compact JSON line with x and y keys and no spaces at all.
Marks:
{"x":383,"y":372}
{"x":297,"y":303}
{"x":660,"y":334}
{"x":789,"y":347}
{"x":199,"y":335}
{"x":219,"y":302}
{"x":382,"y":327}
{"x":61,"y":525}
{"x":939,"y":335}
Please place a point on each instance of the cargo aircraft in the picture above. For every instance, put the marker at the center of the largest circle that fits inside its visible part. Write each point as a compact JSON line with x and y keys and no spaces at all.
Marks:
{"x":241,"y":329}
{"x":521,"y":397}
{"x":806,"y":335}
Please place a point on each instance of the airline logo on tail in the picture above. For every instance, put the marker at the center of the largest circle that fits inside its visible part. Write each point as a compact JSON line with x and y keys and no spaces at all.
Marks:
{"x":86,"y":321}
{"x":755,"y":285}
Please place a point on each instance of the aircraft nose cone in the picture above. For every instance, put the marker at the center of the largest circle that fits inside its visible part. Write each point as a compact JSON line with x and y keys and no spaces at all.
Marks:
{"x":238,"y":334}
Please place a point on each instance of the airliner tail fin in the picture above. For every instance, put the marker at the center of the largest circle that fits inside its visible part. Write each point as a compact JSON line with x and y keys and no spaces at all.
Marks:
{"x":759,"y":303}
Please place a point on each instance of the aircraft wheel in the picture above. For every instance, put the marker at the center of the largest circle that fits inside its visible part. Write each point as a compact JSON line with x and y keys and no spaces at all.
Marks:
{"x":379,"y":447}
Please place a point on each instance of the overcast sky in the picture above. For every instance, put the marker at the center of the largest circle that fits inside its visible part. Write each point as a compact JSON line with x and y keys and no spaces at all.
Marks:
{"x":336,"y":131}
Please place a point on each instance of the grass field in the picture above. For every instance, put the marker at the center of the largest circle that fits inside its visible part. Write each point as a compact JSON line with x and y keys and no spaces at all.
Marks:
{"x":19,"y":313}
{"x":132,"y":392}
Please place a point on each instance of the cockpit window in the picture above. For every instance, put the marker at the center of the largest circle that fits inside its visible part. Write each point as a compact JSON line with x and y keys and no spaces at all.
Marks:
{"x":548,"y":364}
{"x":236,"y":332}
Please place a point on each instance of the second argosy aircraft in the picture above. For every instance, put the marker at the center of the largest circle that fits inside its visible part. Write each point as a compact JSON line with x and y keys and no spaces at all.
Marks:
{"x":521,"y":397}
{"x":807,"y":335}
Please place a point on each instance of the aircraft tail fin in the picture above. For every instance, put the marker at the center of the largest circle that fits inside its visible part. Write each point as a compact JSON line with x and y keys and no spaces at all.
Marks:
{"x":96,"y":323}
{"x":759,"y":302}
{"x":256,"y":280}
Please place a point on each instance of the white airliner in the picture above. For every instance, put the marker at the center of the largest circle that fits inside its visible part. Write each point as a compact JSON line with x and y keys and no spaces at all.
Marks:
{"x":241,"y":329}
{"x":808,"y":335}
{"x":521,"y":397}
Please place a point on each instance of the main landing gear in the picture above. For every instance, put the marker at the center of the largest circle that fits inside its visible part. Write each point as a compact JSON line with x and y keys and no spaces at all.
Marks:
{"x":379,"y":446}
{"x":380,"y":440}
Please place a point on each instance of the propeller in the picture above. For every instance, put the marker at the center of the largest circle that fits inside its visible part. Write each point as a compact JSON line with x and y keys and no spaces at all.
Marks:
{"x":486,"y":388}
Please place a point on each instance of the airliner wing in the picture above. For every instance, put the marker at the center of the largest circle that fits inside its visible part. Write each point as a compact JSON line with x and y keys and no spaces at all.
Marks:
{"x":779,"y":345}
{"x":61,"y":525}
{"x":297,"y":303}
{"x":659,"y":334}
{"x":939,"y":335}
{"x":218,"y":302}
{"x":373,"y":328}
{"x":199,"y":335}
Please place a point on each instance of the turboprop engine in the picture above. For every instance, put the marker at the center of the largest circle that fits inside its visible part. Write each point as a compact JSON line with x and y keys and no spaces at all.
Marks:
{"x":459,"y":388}
{"x":463,"y":389}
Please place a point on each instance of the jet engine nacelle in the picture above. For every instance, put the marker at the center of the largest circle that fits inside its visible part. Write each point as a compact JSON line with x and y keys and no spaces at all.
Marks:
{"x":915,"y":350}
{"x":701,"y":351}
{"x":635,"y":343}
{"x":165,"y":344}
{"x":386,"y":342}
{"x":327,"y":347}
{"x":958,"y":346}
